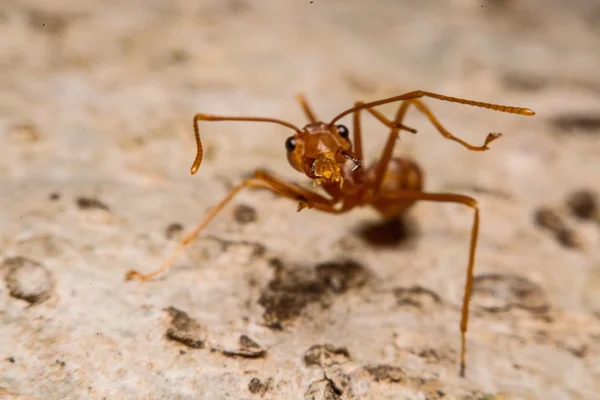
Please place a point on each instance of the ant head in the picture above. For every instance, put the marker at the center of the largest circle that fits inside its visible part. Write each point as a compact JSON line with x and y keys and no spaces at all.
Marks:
{"x":320,"y":151}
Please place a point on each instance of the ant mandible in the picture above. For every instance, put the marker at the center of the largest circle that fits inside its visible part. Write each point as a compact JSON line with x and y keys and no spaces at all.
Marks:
{"x":322,"y":151}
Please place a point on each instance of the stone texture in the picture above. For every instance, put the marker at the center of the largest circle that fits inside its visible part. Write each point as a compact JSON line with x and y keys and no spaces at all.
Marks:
{"x":96,"y":137}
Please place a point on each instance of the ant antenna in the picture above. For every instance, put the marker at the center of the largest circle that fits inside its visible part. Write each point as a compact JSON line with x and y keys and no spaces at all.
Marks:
{"x":208,"y":117}
{"x":420,"y":93}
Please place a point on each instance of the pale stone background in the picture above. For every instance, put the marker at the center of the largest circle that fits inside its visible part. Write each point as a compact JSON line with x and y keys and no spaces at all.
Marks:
{"x":96,"y":103}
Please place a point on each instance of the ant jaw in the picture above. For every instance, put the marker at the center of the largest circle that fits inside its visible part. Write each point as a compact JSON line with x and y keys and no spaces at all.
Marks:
{"x":352,"y":157}
{"x":320,"y":181}
{"x":324,"y":170}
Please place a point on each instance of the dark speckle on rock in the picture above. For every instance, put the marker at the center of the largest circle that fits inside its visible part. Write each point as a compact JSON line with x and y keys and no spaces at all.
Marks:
{"x":417,"y":296}
{"x":90,"y":203}
{"x":386,"y":373}
{"x":26,"y":133}
{"x":549,"y":219}
{"x":256,"y":386}
{"x":258,"y":249}
{"x":583,"y":204}
{"x":285,"y":300}
{"x":53,"y":23}
{"x":326,"y":355}
{"x":584,"y":123}
{"x":28,"y":280}
{"x":291,"y":291}
{"x":341,"y":276}
{"x":287,"y":294}
{"x":569,"y":238}
{"x":248,"y":348}
{"x":185,"y":330}
{"x":244,"y":214}
{"x":499,"y":293}
{"x":552,"y":220}
{"x":323,"y":389}
{"x":173,"y":230}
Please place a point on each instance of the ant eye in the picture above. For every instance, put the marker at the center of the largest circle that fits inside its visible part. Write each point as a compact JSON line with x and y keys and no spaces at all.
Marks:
{"x":344,"y":132}
{"x":290,"y":144}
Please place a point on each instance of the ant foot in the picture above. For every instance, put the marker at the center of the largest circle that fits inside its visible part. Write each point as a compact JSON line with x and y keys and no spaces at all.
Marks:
{"x":304,"y":204}
{"x":489,"y":139}
{"x":134,"y":275}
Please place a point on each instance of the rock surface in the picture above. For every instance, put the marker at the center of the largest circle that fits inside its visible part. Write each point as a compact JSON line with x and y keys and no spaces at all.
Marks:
{"x":95,"y":130}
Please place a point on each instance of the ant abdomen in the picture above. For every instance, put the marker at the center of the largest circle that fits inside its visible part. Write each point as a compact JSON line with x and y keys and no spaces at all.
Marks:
{"x":401,"y":175}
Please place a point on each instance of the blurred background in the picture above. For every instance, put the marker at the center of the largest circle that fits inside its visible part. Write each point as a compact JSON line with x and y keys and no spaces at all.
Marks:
{"x":96,"y":105}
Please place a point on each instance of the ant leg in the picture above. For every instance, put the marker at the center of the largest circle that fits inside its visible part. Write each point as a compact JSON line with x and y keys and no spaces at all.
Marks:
{"x":307,"y":110}
{"x":358,"y":131}
{"x":305,"y":197}
{"x":387,"y":153}
{"x":469,"y":202}
{"x":357,"y":144}
{"x":421,"y":107}
{"x":389,"y":147}
{"x":262,"y":180}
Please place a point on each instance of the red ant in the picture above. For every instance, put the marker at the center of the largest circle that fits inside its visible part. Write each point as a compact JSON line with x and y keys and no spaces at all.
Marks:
{"x":321,"y":151}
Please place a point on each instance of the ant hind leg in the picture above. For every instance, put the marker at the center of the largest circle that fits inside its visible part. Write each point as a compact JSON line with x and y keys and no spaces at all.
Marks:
{"x":469,"y":202}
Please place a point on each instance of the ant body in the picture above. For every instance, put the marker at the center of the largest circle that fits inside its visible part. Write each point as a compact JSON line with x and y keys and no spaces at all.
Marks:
{"x":321,"y":150}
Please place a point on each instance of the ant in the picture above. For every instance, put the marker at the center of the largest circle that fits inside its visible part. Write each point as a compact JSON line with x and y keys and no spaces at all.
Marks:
{"x":323,"y":152}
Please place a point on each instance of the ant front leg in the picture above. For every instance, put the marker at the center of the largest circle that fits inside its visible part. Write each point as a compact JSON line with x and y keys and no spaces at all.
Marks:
{"x":305,"y":197}
{"x":423,"y":108}
{"x":469,"y":202}
{"x":356,"y":125}
{"x":387,"y":153}
{"x":357,"y":132}
{"x":389,"y":147}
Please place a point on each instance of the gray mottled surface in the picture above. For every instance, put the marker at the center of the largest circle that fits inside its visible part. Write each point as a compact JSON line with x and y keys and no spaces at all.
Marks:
{"x":96,"y":104}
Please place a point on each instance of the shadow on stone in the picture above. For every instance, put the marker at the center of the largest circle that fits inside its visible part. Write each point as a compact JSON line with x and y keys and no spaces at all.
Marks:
{"x":399,"y":231}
